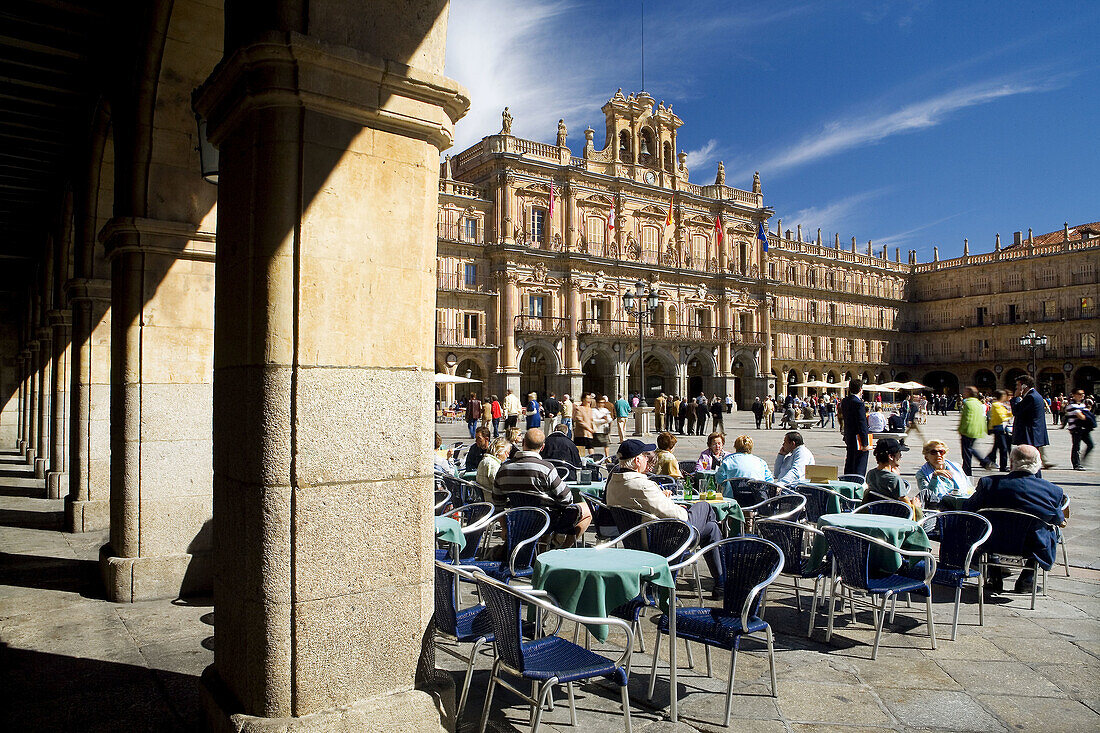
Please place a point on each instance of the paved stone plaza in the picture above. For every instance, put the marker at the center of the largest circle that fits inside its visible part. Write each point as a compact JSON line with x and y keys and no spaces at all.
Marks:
{"x":73,"y":661}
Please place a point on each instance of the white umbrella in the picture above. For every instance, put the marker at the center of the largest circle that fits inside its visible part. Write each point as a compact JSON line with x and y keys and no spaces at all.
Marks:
{"x":877,"y":388}
{"x":911,"y":385}
{"x":453,"y":379}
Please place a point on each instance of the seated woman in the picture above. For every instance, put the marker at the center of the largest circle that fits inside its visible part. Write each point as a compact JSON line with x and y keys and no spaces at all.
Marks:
{"x":876,"y":421}
{"x":495,"y":454}
{"x":444,"y":458}
{"x":884,"y":481}
{"x":741,"y":464}
{"x":666,"y":461}
{"x":711,"y":458}
{"x":939,"y":476}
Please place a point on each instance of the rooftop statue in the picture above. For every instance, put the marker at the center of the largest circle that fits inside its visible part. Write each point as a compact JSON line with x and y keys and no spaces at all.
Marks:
{"x":506,"y":122}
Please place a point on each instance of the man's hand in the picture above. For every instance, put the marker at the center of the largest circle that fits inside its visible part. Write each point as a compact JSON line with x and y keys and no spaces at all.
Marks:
{"x":667,"y":492}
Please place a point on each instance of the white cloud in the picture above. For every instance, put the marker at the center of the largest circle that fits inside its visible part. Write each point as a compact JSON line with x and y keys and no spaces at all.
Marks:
{"x":701,"y":159}
{"x":842,"y":135}
{"x":832,"y":217}
{"x":904,"y":237}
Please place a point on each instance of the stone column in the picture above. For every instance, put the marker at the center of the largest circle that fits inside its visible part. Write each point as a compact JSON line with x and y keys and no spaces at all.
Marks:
{"x":56,"y":477}
{"x":87,"y":506}
{"x":507,"y":223}
{"x":509,"y":295}
{"x":725,"y":328}
{"x":42,"y":420}
{"x":323,"y":531}
{"x":573,"y":313}
{"x":24,"y":400}
{"x":32,"y":403}
{"x":570,"y":206}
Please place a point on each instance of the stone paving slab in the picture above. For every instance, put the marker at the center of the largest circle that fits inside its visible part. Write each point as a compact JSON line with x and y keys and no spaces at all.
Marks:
{"x":77,"y":662}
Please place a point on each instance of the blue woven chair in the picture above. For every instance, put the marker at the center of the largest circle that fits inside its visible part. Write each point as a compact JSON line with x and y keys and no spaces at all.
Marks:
{"x":784,"y":506}
{"x":961,"y":534}
{"x":817,"y":501}
{"x":603,"y":523}
{"x":470,"y":625}
{"x":666,"y":482}
{"x":442,"y":501}
{"x":852,"y":562}
{"x":746,"y":491}
{"x":523,"y":528}
{"x":887,"y":508}
{"x":628,"y":519}
{"x":549,"y":660}
{"x":1062,"y":536}
{"x":669,"y":538}
{"x":794,"y":539}
{"x":687,"y":468}
{"x":1010,"y":528}
{"x":475,"y":518}
{"x":750,"y":564}
{"x":854,"y":478}
{"x":462,"y":491}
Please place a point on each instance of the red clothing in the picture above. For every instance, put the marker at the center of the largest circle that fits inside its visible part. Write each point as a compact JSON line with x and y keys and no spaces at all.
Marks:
{"x":495,"y":410}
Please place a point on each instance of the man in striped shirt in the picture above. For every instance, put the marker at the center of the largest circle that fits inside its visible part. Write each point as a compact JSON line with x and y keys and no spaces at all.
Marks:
{"x":527,"y":479}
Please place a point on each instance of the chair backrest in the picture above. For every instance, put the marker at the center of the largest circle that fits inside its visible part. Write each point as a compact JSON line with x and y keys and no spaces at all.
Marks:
{"x":446,"y":606}
{"x":789,"y":537}
{"x":961,"y":535}
{"x":854,"y":478}
{"x":687,"y":468}
{"x":507,"y":619}
{"x":602,"y":519}
{"x":570,"y":472}
{"x":817,"y":501}
{"x":745,"y":491}
{"x":665,"y":482}
{"x":525,"y":526}
{"x":877,"y":495}
{"x":472,"y":516}
{"x":564,"y":472}
{"x":442,"y":501}
{"x":852,"y":554}
{"x":750,"y":564}
{"x":1011,"y":528}
{"x":784,"y":506}
{"x":626,"y":519}
{"x":887,"y":508}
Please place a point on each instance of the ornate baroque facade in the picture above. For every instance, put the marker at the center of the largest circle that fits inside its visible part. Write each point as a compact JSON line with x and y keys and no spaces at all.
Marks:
{"x":536,"y":249}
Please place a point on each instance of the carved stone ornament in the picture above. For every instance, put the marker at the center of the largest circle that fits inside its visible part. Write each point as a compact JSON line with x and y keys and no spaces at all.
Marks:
{"x":598,"y":279}
{"x":557,"y":243}
{"x":701,"y":291}
{"x":670,"y":258}
{"x":540,"y":271}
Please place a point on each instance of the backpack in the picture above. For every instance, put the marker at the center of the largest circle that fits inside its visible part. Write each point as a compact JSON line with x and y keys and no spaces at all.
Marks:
{"x":1087,"y":421}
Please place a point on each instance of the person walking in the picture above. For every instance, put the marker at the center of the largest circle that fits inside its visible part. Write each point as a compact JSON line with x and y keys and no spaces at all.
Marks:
{"x":473,"y":413}
{"x":1080,"y":422}
{"x":495,"y":413}
{"x":769,"y":412}
{"x":1029,"y":425}
{"x":567,"y":415}
{"x":687,"y":416}
{"x":702,"y":409}
{"x":998,"y":428}
{"x":857,"y":439}
{"x":550,"y":410}
{"x":757,"y":411}
{"x":971,"y":426}
{"x":716,"y":415}
{"x":622,"y":411}
{"x":534,"y":411}
{"x":659,"y":413}
{"x":511,"y":410}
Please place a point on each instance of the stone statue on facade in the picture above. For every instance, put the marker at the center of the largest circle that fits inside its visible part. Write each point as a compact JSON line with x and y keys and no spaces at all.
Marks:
{"x":561,"y":133}
{"x":720,"y":179}
{"x":506,"y":122}
{"x":756,"y":182}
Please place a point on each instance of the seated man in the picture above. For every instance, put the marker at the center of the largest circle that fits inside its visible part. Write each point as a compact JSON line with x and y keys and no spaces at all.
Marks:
{"x":629,"y":487}
{"x":791,"y":462}
{"x":876,"y":421}
{"x":1021,"y":489}
{"x":560,"y":448}
{"x":527,"y":479}
{"x":895,"y":423}
{"x":482,"y":436}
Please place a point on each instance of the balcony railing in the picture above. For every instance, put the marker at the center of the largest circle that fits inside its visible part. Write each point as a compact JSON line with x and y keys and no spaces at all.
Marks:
{"x":1022,"y":318}
{"x":459,"y":281}
{"x":667,"y":332}
{"x":461,"y":336}
{"x":995,"y":354}
{"x":526,"y":323}
{"x":456,"y":232}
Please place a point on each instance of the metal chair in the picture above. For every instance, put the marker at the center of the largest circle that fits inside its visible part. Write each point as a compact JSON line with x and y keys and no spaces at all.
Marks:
{"x":665,"y":482}
{"x":442,"y":501}
{"x":475,"y":518}
{"x":1062,"y":536}
{"x":750,"y":564}
{"x":603,"y":522}
{"x":669,"y":538}
{"x":851,"y":568}
{"x":746,"y":491}
{"x":817,"y":500}
{"x":887,"y":508}
{"x":549,"y":660}
{"x":1010,"y":529}
{"x":854,"y":478}
{"x":627,"y":519}
{"x":786,"y":506}
{"x":470,"y":625}
{"x":687,"y":468}
{"x":961,"y":534}
{"x":794,"y":538}
{"x":523,"y":528}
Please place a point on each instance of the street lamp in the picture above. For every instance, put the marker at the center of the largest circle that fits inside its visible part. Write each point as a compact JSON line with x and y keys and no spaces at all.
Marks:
{"x":1032,"y":342}
{"x":641,"y":304}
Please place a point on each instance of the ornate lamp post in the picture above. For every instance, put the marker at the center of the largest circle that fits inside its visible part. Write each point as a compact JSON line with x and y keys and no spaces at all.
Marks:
{"x":641,"y":304}
{"x":1032,"y":342}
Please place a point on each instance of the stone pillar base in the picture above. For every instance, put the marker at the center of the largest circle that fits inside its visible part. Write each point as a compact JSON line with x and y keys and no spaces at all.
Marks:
{"x":21,"y":446}
{"x":155,"y":577}
{"x":411,"y":711}
{"x":57,"y":484}
{"x":40,"y":465}
{"x":87,"y":516}
{"x":28,"y":456}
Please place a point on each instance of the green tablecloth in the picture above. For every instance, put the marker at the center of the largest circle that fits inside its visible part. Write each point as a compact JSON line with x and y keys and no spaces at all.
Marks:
{"x":847,"y":489}
{"x":591,"y":582}
{"x":450,"y":531}
{"x":952,"y":502}
{"x":723,"y":508}
{"x":596,"y":489}
{"x":901,"y":533}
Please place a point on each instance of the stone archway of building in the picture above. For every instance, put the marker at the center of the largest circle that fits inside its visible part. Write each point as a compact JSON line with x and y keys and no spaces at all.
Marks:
{"x":598,"y":373}
{"x":1088,"y":379}
{"x":901,"y":377}
{"x":985,"y":380}
{"x":699,"y":372}
{"x":1051,"y":382}
{"x":660,"y":371}
{"x":942,"y":382}
{"x":1010,"y":377}
{"x":535,"y":367}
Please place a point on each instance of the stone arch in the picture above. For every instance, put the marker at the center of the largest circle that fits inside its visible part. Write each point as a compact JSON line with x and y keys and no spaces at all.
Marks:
{"x":1010,"y":377}
{"x":942,"y":382}
{"x":1087,"y":378}
{"x":1051,"y":381}
{"x":598,"y":369}
{"x":984,"y":380}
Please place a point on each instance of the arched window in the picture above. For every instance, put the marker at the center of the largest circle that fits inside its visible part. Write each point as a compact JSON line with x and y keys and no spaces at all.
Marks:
{"x":698,"y":251}
{"x":596,"y":234}
{"x":743,"y":257}
{"x":625,"y":147}
{"x":647,"y":148}
{"x":651,"y":242}
{"x":668,"y":156}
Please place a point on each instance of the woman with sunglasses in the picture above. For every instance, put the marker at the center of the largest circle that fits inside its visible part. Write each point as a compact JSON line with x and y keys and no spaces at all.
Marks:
{"x":939,"y":476}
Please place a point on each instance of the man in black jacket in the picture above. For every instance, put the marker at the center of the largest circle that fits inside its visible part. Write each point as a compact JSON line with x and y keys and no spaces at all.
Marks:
{"x":857,"y":439}
{"x":559,"y":447}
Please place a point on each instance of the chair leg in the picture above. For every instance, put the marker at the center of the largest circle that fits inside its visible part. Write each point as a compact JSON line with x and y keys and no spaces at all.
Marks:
{"x":638,"y":635}
{"x":489,"y":696}
{"x":955,"y":621}
{"x":981,"y":600}
{"x":797,"y":596}
{"x":572,"y":704}
{"x":729,"y":685}
{"x":691,"y":659}
{"x":832,"y":609}
{"x":1065,"y":555}
{"x":880,"y":616}
{"x":626,"y":708}
{"x":931,"y":623}
{"x":653,"y":667}
{"x":541,"y":703}
{"x":813,"y":609}
{"x":706,"y":651}
{"x":469,"y":675}
{"x":771,"y":661}
{"x":894,"y":606}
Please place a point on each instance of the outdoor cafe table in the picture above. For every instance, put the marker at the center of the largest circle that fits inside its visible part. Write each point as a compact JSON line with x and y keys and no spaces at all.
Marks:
{"x":904,"y":534}
{"x":450,"y":531}
{"x":847,"y":489}
{"x":592,"y":488}
{"x":953,"y":501}
{"x":592,"y":581}
{"x":723,"y":508}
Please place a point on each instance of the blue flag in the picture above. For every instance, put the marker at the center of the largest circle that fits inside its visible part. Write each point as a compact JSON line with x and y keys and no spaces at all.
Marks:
{"x":762,"y":235}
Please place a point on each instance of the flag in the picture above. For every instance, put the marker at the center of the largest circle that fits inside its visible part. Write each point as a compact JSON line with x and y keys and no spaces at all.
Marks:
{"x":668,"y":216}
{"x":551,"y":199}
{"x":718,"y":228}
{"x":762,"y":235}
{"x":611,"y":219}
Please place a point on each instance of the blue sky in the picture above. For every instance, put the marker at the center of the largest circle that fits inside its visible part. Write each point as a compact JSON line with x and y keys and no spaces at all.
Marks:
{"x":910,"y":123}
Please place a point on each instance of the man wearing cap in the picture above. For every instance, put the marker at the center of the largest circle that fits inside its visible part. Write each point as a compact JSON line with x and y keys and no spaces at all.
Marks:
{"x":629,"y":487}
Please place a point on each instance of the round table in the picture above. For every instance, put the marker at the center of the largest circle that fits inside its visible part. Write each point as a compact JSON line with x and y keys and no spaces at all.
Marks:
{"x":723,"y":508}
{"x":450,"y":531}
{"x":595,"y":489}
{"x":904,"y":534}
{"x":592,"y":581}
